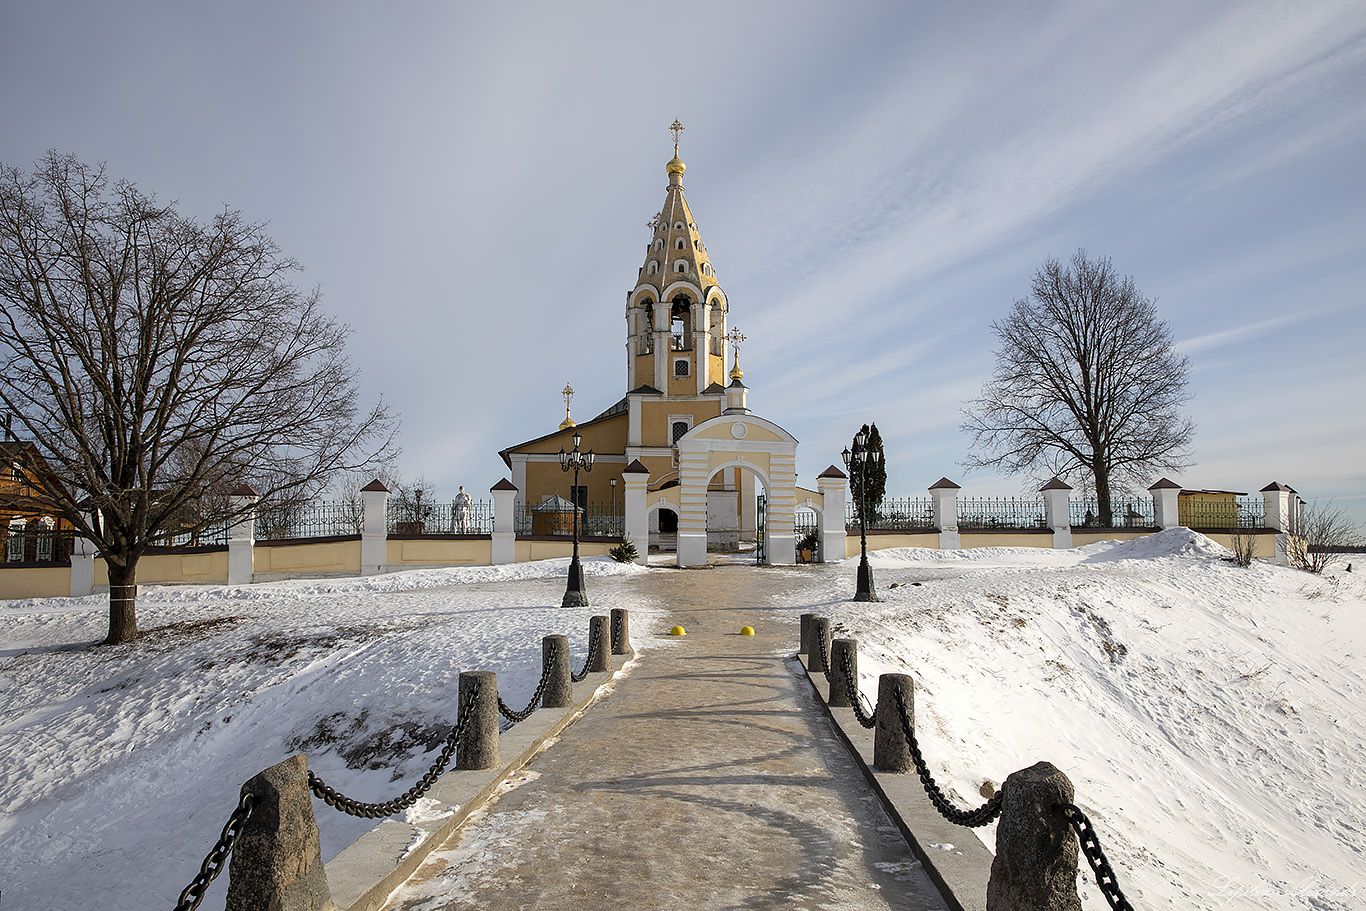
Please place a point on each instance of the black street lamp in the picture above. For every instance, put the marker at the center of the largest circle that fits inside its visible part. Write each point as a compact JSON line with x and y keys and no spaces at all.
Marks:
{"x":857,"y":461}
{"x":574,"y":594}
{"x":615,"y":530}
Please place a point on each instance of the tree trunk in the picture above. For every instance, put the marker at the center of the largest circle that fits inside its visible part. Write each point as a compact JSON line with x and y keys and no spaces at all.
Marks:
{"x":123,"y":594}
{"x":1102,"y":475}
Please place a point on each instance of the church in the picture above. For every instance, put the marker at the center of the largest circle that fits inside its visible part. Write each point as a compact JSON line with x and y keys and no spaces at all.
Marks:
{"x":681,"y":451}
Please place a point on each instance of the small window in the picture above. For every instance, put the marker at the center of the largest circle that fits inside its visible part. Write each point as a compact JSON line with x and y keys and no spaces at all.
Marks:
{"x":681,"y":266}
{"x":680,"y":369}
{"x":652,"y":268}
{"x":659,"y":243}
{"x":678,"y":226}
{"x":680,"y":427}
{"x":678,"y":245}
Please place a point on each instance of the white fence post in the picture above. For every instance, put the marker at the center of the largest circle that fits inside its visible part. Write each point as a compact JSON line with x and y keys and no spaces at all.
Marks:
{"x":374,"y":537}
{"x":82,"y":567}
{"x":242,"y":536}
{"x":1276,"y":499}
{"x":945,"y":494}
{"x":1166,"y":503}
{"x":637,"y":480}
{"x":1056,"y":512}
{"x":833,"y":485}
{"x":504,"y":522}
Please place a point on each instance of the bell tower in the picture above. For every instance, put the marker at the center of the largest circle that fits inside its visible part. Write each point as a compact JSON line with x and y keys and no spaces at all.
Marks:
{"x":676,"y":314}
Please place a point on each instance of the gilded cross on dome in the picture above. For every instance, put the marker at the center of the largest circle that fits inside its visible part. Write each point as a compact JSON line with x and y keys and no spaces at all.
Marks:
{"x":677,"y":128}
{"x":735,"y":339}
{"x":568,"y":393}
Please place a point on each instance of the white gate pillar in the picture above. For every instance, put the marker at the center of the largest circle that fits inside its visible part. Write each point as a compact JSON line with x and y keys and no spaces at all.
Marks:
{"x":833,"y":485}
{"x":637,"y":480}
{"x":692,"y":508}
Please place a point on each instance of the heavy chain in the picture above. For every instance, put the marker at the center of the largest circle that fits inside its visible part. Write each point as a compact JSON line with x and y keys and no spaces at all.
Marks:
{"x":213,"y":864}
{"x":1090,"y":846}
{"x":593,"y":644}
{"x":970,"y":818}
{"x":525,"y":713}
{"x":379,"y":810}
{"x":616,"y":628}
{"x":868,"y":720}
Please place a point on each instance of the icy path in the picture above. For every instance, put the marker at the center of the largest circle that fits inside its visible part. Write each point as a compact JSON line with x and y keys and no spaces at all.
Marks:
{"x":707,"y":780}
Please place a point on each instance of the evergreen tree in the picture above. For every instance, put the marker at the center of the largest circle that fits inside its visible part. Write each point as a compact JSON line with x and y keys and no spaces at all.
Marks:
{"x":875,"y":475}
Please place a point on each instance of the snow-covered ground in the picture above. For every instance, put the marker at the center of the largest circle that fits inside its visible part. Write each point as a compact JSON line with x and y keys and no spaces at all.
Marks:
{"x":119,"y":766}
{"x":1209,"y":716}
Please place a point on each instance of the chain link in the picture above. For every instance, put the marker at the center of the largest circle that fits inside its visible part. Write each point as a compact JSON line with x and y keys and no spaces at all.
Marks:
{"x":332,"y":798}
{"x":218,"y":856}
{"x":593,"y":644}
{"x":866,"y":719}
{"x":970,"y":818}
{"x":1090,"y":846}
{"x":525,"y":713}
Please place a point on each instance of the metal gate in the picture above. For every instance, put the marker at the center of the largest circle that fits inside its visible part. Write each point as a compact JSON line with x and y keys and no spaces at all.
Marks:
{"x":761,"y":548}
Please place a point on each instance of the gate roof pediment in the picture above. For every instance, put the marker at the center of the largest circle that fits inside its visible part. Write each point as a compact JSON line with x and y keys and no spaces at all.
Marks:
{"x":733,"y":429}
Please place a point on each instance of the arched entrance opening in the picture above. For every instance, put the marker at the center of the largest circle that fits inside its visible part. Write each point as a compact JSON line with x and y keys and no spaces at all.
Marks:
{"x":734,"y":516}
{"x":722,"y":465}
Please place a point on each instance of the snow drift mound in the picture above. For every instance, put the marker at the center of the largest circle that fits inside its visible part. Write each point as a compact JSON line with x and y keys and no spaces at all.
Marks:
{"x":1173,"y":542}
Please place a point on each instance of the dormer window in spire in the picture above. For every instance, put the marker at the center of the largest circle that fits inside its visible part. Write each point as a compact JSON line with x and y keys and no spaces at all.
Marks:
{"x":681,"y":265}
{"x":679,"y":244}
{"x":652,"y":268}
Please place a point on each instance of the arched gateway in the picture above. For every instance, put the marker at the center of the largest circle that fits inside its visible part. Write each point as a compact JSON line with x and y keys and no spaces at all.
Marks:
{"x":681,"y":441}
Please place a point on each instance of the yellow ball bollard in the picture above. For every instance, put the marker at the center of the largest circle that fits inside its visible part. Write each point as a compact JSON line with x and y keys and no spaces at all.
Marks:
{"x":747,"y":631}
{"x":677,"y":631}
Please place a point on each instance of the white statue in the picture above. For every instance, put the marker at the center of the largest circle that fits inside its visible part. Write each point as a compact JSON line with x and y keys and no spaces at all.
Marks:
{"x":461,"y":512}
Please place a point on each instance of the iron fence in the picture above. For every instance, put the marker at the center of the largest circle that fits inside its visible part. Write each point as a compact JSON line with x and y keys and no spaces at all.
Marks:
{"x":282,"y":521}
{"x":1230,"y":512}
{"x":440,"y":519}
{"x":894,"y":514}
{"x":805,"y":521}
{"x":557,"y":519}
{"x":1125,"y":512}
{"x":1001,"y":512}
{"x":214,"y":535}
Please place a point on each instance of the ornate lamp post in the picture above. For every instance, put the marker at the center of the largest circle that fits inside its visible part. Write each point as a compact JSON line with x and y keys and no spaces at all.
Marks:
{"x":574,"y":595}
{"x":857,"y":461}
{"x":615,"y":530}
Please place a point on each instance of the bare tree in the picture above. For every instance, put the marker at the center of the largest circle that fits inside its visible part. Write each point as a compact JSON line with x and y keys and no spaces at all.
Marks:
{"x":1086,"y":381}
{"x":1319,"y":534}
{"x":159,"y":363}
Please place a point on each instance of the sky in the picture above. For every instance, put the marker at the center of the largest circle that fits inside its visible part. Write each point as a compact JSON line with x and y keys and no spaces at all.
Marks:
{"x":469,"y":186}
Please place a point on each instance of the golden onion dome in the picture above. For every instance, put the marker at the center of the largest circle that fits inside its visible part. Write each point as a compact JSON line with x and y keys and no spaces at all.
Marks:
{"x":676,"y":165}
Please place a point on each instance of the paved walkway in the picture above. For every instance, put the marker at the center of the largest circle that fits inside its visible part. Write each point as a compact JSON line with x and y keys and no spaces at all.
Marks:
{"x":708,"y":780}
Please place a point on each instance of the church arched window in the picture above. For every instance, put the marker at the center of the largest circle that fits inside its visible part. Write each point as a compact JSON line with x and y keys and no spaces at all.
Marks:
{"x":652,"y":268}
{"x":679,"y":245}
{"x":659,"y":243}
{"x":681,"y":266}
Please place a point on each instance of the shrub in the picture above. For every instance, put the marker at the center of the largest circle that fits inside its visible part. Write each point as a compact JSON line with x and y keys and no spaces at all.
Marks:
{"x":625,"y":552}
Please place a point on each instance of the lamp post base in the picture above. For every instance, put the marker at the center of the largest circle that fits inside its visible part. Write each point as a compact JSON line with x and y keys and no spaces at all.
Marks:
{"x":865,"y":590}
{"x":574,"y":594}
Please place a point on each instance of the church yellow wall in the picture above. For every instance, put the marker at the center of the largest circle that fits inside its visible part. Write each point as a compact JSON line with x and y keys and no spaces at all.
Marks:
{"x":927,"y":540}
{"x":528,"y":550}
{"x":447,"y":551}
{"x":654,"y":419}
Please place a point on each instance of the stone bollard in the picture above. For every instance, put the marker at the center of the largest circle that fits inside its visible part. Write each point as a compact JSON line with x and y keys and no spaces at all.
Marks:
{"x":277,"y":862}
{"x":841,"y":697}
{"x":805,"y":647}
{"x":820,"y":632}
{"x":601,"y":658}
{"x":891,"y":752}
{"x":478,"y":747}
{"x":1036,"y":850}
{"x":621,"y":631}
{"x":559,"y":688}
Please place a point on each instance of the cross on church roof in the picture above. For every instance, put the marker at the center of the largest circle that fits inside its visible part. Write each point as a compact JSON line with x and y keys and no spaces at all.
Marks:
{"x":677,"y":128}
{"x":735,"y":339}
